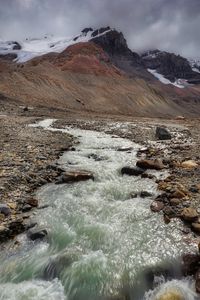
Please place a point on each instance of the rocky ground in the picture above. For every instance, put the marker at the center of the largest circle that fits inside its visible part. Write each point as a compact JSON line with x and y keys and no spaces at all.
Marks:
{"x":28,"y":161}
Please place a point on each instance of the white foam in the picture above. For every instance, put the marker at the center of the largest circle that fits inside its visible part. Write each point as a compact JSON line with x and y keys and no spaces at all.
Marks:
{"x":32,"y":290}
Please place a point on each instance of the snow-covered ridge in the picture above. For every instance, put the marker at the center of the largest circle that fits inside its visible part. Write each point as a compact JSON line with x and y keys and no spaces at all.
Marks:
{"x":31,"y":48}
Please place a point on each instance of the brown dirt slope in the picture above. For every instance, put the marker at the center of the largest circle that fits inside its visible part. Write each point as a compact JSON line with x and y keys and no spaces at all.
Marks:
{"x":83,"y":78}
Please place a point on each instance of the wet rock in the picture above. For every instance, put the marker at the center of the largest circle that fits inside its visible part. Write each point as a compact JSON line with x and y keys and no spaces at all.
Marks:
{"x":56,"y":265}
{"x":186,"y":230}
{"x":125,"y":149}
{"x":96,"y":157}
{"x":167,"y":219}
{"x":132,"y":171}
{"x":149,"y":176}
{"x":3,"y":233}
{"x":190,"y":264}
{"x":189,"y":164}
{"x":5,"y":210}
{"x":196,"y":227}
{"x":2,"y":217}
{"x":36,"y":234}
{"x":169,"y":211}
{"x":145,"y":194}
{"x":30,"y":225}
{"x":163,"y":198}
{"x":163,"y":134}
{"x":75,"y":176}
{"x":150,"y":164}
{"x":32,"y":202}
{"x":133,"y":195}
{"x":178,"y":194}
{"x":189,"y":214}
{"x":56,"y":168}
{"x":26,"y":208}
{"x":43,"y":206}
{"x":157,"y":206}
{"x":175,"y":202}
{"x":197,"y":281}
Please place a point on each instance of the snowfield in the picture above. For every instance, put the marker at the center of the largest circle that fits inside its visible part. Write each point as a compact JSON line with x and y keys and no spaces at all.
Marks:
{"x":180,"y":83}
{"x":31,"y":48}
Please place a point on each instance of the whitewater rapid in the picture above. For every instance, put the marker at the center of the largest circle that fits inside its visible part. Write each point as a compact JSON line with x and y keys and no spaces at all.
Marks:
{"x":100,"y":238}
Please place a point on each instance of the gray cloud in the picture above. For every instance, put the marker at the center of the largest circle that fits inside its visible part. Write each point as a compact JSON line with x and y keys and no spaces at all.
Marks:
{"x":171,"y":25}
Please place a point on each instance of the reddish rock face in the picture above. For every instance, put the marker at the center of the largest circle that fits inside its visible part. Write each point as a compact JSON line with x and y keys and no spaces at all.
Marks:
{"x":86,"y":58}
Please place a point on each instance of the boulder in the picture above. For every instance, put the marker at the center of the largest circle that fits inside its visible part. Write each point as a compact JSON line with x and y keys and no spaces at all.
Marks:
{"x":145,"y":194}
{"x":36,"y":234}
{"x":175,"y":202}
{"x":189,"y":214}
{"x":4,"y":232}
{"x":32,"y":202}
{"x":190,"y":264}
{"x":189,"y":164}
{"x":178,"y":194}
{"x":5,"y":210}
{"x":132,"y":171}
{"x":149,"y":176}
{"x":150,"y":164}
{"x":157,"y":206}
{"x":163,"y":134}
{"x":166,"y":219}
{"x":75,"y":176}
{"x":196,"y":227}
{"x":169,"y":211}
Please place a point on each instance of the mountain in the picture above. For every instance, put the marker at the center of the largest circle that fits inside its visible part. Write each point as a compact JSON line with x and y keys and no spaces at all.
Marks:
{"x":171,"y":66}
{"x":96,"y":71}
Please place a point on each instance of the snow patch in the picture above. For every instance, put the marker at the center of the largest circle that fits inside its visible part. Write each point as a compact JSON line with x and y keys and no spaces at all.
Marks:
{"x":180,"y":83}
{"x":195,"y":65}
{"x":196,"y":70}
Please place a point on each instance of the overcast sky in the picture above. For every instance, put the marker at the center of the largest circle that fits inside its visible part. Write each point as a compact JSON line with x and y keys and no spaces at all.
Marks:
{"x":165,"y":24}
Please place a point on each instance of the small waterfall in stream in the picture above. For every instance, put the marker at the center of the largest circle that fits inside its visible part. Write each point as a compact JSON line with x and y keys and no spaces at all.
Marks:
{"x":101,"y":241}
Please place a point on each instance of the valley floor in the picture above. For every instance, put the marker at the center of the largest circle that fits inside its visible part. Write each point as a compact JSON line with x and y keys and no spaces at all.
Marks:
{"x":28,"y":160}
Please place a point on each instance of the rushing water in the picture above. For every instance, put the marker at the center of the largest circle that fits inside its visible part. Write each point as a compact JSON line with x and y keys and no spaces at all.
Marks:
{"x":101,"y":241}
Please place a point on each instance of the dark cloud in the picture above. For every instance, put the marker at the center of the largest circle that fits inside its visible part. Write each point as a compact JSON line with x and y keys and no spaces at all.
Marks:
{"x":171,"y":25}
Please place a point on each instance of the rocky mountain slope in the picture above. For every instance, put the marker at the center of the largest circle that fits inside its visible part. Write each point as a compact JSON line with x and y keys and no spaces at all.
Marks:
{"x":97,"y":72}
{"x":171,"y":66}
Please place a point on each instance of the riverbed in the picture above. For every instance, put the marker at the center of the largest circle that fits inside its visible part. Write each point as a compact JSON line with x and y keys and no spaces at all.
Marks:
{"x":102,"y":238}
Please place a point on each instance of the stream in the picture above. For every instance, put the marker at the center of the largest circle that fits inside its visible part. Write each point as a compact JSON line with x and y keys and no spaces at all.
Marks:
{"x":102,"y":243}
